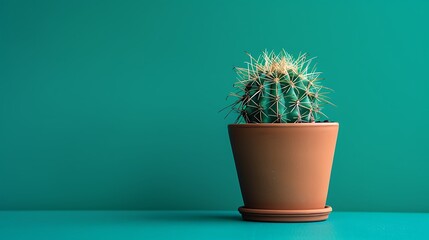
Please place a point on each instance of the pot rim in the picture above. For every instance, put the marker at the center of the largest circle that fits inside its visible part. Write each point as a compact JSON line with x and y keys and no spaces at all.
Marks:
{"x":282,"y":125}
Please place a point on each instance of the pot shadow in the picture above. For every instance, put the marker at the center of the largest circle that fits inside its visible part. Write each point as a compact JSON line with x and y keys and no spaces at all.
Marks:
{"x":182,"y":216}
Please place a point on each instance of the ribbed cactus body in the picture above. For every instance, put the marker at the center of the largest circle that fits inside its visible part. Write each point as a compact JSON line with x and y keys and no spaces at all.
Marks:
{"x":275,"y":88}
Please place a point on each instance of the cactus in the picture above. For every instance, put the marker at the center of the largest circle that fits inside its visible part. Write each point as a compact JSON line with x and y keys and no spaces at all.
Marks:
{"x":276,"y":88}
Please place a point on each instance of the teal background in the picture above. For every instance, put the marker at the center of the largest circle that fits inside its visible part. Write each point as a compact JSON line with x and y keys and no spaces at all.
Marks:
{"x":114,"y":105}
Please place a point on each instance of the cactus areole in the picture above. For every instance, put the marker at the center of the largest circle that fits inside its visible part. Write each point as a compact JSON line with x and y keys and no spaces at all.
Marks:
{"x":277,"y":88}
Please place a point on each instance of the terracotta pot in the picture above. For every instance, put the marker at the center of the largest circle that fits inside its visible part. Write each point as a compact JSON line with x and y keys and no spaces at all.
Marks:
{"x":284,"y":169}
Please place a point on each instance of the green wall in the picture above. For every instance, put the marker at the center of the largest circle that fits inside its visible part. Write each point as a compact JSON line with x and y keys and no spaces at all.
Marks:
{"x":109,"y":105}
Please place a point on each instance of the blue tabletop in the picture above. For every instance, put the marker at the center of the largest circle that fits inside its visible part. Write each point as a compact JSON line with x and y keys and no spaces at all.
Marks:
{"x":205,"y":225}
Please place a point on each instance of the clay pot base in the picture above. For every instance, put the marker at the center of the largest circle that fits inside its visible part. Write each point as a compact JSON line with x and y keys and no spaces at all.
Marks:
{"x":268,"y":215}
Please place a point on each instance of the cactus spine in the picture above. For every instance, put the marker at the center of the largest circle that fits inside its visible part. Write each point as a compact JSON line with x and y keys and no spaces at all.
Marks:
{"x":276,"y":88}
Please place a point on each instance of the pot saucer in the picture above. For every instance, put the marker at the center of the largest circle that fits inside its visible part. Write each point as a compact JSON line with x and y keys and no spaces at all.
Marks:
{"x":269,"y":215}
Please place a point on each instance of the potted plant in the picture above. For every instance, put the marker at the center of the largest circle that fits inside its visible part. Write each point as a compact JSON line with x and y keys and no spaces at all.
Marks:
{"x":283,"y":149}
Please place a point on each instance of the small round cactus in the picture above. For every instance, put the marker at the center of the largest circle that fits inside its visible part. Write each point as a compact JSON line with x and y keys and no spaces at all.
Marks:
{"x":276,"y":88}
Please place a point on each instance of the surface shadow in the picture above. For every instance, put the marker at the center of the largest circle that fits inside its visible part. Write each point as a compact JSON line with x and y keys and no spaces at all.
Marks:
{"x":179,"y":216}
